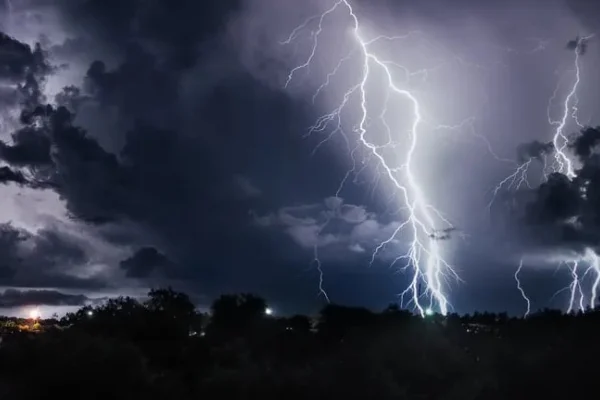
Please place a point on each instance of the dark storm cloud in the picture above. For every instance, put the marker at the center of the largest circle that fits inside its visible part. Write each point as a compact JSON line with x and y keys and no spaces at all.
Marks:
{"x":40,"y":259}
{"x":160,"y":180}
{"x":534,"y":150}
{"x":28,"y":148}
{"x":18,"y":60}
{"x":176,"y":177}
{"x":10,"y":241}
{"x":7,"y":175}
{"x":22,"y":72}
{"x":52,"y":249}
{"x":585,"y":143}
{"x":565,"y":212}
{"x":144,"y":262}
{"x":172,"y":28}
{"x":78,"y":167}
{"x":138,"y":88}
{"x":10,"y":298}
{"x":200,"y":142}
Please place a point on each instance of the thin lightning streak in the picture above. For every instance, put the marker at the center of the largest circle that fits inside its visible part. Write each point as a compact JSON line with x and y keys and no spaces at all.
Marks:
{"x":523,"y":294}
{"x":595,"y":265}
{"x":515,"y":180}
{"x":319,"y":268}
{"x":423,"y":258}
{"x":317,"y":261}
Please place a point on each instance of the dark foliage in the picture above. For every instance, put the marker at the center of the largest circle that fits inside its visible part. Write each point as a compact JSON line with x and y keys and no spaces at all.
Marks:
{"x":163,"y":348}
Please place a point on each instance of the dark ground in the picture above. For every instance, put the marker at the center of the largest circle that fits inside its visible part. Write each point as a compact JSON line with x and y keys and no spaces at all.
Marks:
{"x":163,"y":349}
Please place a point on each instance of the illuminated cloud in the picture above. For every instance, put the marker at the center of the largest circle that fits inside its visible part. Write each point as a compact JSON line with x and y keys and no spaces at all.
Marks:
{"x":330,"y":225}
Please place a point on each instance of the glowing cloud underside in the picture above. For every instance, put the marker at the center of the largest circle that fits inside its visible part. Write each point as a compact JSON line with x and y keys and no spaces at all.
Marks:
{"x":423,"y":259}
{"x":588,"y":263}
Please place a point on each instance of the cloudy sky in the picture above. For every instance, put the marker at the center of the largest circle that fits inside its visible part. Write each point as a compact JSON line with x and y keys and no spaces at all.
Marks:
{"x":149,"y":143}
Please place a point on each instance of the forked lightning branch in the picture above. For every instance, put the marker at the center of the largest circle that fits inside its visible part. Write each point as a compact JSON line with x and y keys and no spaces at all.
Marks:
{"x":423,"y":260}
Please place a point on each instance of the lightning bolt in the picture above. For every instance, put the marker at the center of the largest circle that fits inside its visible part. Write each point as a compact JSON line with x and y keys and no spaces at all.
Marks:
{"x":424,"y":257}
{"x":521,"y":290}
{"x":317,"y":261}
{"x":577,"y":296}
{"x":319,"y":267}
{"x":564,"y":165}
{"x":575,"y":289}
{"x":562,"y":162}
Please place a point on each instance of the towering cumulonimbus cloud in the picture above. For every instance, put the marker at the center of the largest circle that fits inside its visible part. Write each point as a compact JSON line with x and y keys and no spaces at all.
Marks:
{"x":172,"y":137}
{"x":164,"y":183}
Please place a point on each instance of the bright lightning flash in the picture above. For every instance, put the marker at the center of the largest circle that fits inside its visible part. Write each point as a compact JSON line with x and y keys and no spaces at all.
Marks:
{"x":564,"y":165}
{"x":578,"y":301}
{"x":424,"y":257}
{"x":562,"y":162}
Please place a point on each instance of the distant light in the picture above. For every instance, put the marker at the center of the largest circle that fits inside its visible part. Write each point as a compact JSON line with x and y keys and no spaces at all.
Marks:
{"x":34,"y":313}
{"x":269,"y":311}
{"x":90,"y":313}
{"x":428,"y":311}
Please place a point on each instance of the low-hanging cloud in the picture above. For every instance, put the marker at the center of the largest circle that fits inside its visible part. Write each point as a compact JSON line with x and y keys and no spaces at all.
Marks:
{"x":11,"y":298}
{"x":333,"y":226}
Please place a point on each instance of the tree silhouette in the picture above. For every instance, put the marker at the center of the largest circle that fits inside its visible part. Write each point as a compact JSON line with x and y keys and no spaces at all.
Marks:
{"x":233,"y":315}
{"x":171,"y":314}
{"x":145,"y":349}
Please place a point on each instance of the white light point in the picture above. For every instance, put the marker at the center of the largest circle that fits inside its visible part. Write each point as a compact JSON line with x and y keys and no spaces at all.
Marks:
{"x":423,"y":257}
{"x":34,"y":313}
{"x":268,"y":311}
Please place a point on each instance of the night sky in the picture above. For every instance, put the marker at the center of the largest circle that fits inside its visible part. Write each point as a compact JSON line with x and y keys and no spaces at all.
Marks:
{"x":169,"y":142}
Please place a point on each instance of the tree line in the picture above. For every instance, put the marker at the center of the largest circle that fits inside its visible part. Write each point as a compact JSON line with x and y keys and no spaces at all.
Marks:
{"x":163,"y":348}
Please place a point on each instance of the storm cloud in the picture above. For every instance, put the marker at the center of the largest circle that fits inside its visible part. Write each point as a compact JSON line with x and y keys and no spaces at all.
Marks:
{"x":177,"y":156}
{"x":144,"y":262}
{"x":564,"y":210}
{"x":11,"y":298}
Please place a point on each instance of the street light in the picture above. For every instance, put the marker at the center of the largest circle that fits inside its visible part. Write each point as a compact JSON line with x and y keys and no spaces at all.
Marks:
{"x":269,"y":311}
